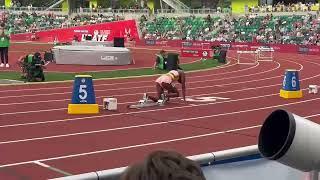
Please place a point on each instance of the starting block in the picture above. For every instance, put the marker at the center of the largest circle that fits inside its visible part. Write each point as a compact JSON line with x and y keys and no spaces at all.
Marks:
{"x":313,"y":89}
{"x":110,"y":104}
{"x":145,"y":102}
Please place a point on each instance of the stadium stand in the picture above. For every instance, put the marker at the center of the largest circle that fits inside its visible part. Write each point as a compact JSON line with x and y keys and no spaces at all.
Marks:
{"x":281,"y":7}
{"x":294,"y":29}
{"x":32,"y":21}
{"x":284,"y":29}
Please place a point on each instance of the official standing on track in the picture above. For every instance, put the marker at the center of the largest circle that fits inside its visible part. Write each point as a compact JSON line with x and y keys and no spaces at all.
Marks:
{"x":160,"y":61}
{"x":4,"y":47}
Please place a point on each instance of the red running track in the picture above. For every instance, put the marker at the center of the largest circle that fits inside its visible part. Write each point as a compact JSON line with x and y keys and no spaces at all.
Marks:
{"x":36,"y":132}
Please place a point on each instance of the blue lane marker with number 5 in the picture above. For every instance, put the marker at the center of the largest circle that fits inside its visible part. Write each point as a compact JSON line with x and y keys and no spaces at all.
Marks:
{"x":83,"y":90}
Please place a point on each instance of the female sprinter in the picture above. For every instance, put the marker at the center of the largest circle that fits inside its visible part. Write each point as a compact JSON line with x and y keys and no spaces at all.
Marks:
{"x":165,"y":82}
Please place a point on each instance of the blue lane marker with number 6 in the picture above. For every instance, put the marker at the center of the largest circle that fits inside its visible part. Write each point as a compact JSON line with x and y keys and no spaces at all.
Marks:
{"x":291,"y":85}
{"x":291,"y":81}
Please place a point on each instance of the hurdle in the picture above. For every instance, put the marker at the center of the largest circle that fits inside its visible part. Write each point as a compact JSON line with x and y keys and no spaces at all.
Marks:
{"x":254,"y":53}
{"x":262,"y":50}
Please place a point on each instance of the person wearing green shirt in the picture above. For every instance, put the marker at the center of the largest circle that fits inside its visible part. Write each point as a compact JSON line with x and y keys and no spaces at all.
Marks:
{"x":32,"y":67}
{"x":160,"y":61}
{"x":4,"y":47}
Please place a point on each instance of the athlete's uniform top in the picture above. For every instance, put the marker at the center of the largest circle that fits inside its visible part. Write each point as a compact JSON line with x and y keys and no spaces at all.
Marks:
{"x":168,"y":78}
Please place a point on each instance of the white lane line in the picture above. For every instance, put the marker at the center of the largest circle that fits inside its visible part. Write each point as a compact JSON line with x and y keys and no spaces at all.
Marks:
{"x":122,"y":113}
{"x":130,"y":88}
{"x":133,"y":146}
{"x":130,"y":147}
{"x":158,"y":123}
{"x":53,"y":158}
{"x":11,"y":80}
{"x":131,"y":77}
{"x":135,"y":112}
{"x":117,"y":78}
{"x":35,"y":111}
{"x":43,"y":122}
{"x":140,"y":145}
{"x":52,"y":168}
{"x":121,"y":95}
{"x":141,"y":87}
{"x":38,"y":111}
{"x":85,"y":117}
{"x":41,"y":164}
{"x":311,"y":116}
{"x":126,"y":83}
{"x":130,"y":94}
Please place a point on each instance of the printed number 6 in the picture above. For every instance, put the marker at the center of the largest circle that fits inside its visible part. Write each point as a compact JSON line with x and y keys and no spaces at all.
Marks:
{"x":83,"y":90}
{"x":294,"y":82}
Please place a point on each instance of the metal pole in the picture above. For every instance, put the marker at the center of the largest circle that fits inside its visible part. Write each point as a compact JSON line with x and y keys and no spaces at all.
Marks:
{"x":161,"y":6}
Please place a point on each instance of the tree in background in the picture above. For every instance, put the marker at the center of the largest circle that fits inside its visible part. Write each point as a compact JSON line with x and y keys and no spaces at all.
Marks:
{"x":115,"y":4}
{"x":126,"y":3}
{"x":105,"y":4}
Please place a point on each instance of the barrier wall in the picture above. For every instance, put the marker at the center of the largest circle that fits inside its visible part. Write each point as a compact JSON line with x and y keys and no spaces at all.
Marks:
{"x":102,"y":32}
{"x":243,"y":163}
{"x":197,"y":46}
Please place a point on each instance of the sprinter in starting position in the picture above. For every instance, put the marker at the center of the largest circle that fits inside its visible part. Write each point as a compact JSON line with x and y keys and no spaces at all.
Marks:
{"x":166,"y":83}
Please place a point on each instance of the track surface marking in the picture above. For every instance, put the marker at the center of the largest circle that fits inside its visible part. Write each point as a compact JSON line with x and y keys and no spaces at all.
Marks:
{"x":38,"y":140}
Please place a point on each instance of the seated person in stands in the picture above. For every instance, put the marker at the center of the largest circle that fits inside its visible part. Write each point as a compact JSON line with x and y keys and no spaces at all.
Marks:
{"x":32,"y":67}
{"x":164,"y":165}
{"x":160,"y":61}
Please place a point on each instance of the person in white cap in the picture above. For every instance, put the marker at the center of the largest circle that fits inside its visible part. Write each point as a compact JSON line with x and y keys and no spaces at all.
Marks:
{"x":165,"y":82}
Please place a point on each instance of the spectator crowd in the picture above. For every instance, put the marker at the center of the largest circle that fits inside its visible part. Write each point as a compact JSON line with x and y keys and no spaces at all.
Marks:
{"x":294,"y":29}
{"x":32,"y":21}
{"x":285,"y":29}
{"x":281,"y":7}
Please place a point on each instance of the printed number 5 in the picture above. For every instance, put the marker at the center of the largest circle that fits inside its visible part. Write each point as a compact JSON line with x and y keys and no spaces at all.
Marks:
{"x":294,"y":81}
{"x":83,"y":90}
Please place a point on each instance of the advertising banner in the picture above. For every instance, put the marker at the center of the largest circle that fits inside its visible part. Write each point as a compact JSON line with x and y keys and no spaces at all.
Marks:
{"x":96,"y":32}
{"x":194,"y":48}
{"x":196,"y":53}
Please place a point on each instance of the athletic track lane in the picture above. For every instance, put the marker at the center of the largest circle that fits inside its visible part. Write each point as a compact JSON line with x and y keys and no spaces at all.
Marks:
{"x":116,"y":139}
